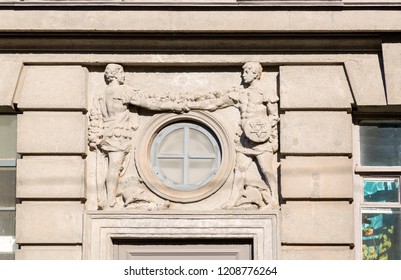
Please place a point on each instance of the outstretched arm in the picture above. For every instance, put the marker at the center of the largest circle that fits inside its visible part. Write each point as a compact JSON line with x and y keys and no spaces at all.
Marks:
{"x":213,"y":104}
{"x":154,"y":104}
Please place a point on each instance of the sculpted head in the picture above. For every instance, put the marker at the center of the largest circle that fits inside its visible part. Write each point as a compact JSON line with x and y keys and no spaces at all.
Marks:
{"x":114,"y":72}
{"x":252,"y":71}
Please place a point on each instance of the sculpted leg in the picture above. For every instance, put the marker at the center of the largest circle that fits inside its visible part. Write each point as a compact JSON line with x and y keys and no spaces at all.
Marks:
{"x":242,"y":163}
{"x":113,"y":175}
{"x":265,"y":162}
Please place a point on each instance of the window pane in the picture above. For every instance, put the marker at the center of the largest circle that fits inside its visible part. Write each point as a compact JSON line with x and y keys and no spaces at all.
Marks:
{"x":173,"y":143}
{"x":7,"y":187}
{"x":200,"y":169}
{"x":380,"y":143}
{"x":8,"y":136}
{"x":172,"y":169}
{"x":381,"y":190}
{"x":199,"y":143}
{"x":381,"y":236}
{"x":7,"y":223}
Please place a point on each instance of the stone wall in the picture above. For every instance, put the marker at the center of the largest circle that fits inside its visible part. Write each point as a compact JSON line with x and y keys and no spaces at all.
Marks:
{"x":51,"y":173}
{"x":321,"y":82}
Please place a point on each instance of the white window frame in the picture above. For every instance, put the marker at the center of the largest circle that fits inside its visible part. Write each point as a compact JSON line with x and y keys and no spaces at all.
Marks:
{"x":370,"y":172}
{"x":7,"y":243}
{"x":143,"y":157}
{"x":185,"y":155}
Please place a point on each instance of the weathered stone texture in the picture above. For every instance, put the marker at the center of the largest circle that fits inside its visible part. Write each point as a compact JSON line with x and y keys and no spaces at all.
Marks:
{"x":366,"y":81}
{"x":317,"y":253}
{"x":51,"y":133}
{"x":268,"y":20}
{"x":316,"y":133}
{"x":49,"y":222}
{"x":316,"y":177}
{"x":317,"y":223}
{"x":53,"y":87}
{"x":49,"y":253}
{"x":316,"y":87}
{"x":392,"y":70}
{"x":9,"y":75}
{"x":54,"y":177}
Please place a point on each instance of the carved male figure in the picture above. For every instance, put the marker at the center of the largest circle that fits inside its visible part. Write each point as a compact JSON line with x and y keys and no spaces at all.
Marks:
{"x":113,"y":121}
{"x":257,"y":136}
{"x":111,"y":128}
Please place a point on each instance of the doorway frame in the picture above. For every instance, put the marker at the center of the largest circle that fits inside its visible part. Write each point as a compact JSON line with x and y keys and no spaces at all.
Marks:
{"x":102,"y":227}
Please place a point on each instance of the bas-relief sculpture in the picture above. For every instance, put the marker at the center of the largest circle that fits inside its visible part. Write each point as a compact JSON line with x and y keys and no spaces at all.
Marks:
{"x":114,"y":122}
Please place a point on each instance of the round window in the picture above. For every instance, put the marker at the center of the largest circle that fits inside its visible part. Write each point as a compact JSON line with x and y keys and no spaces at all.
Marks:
{"x":185,"y":156}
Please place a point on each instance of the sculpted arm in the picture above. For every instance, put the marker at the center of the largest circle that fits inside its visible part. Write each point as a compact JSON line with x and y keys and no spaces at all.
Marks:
{"x":156,"y":105}
{"x":222,"y":101}
{"x":272,"y":111}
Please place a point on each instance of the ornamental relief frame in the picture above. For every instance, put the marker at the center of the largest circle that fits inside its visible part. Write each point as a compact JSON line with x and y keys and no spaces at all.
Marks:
{"x":247,"y":177}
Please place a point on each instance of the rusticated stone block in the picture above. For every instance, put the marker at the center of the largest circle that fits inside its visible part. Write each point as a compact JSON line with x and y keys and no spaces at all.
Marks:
{"x":316,"y":87}
{"x":49,"y":222}
{"x":316,"y":177}
{"x":392,"y":70}
{"x":317,"y":253}
{"x":49,"y":253}
{"x":51,"y":177}
{"x":54,"y":87}
{"x":51,"y":133}
{"x":316,"y":133}
{"x":317,"y":222}
{"x":9,"y":75}
{"x":365,"y":77}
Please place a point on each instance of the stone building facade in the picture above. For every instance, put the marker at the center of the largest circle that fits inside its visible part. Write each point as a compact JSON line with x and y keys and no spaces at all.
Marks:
{"x":232,"y":129}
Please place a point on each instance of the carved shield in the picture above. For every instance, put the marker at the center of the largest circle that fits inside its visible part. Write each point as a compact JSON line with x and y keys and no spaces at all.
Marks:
{"x":257,"y":129}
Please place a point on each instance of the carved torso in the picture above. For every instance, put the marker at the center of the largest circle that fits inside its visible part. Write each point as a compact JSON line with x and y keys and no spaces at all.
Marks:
{"x":251,"y":104}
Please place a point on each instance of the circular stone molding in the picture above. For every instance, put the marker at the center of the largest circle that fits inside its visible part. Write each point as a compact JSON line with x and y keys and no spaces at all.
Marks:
{"x":153,"y":182}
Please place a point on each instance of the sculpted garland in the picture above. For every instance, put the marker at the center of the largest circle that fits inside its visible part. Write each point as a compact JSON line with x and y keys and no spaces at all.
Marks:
{"x":114,"y":120}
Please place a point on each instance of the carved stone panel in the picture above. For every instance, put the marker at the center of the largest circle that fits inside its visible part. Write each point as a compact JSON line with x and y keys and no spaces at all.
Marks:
{"x":184,"y":140}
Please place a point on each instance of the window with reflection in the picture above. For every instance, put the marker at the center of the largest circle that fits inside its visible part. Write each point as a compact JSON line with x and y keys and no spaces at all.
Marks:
{"x":8,"y":157}
{"x":379,"y":174}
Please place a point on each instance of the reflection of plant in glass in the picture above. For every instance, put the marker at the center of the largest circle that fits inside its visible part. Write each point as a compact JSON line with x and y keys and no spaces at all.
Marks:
{"x":381,"y":246}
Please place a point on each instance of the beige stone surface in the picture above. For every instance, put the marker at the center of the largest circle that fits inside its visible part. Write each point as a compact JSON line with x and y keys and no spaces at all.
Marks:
{"x":49,"y":253}
{"x":365,"y":77}
{"x":53,"y":87}
{"x":305,"y":222}
{"x":49,"y":222}
{"x":174,"y":20}
{"x":314,"y":86}
{"x":317,"y":253}
{"x":52,"y":177}
{"x":165,"y":59}
{"x":392,"y":71}
{"x":102,"y":226}
{"x":51,"y":133}
{"x":316,"y":133}
{"x":317,"y":177}
{"x":9,"y":75}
